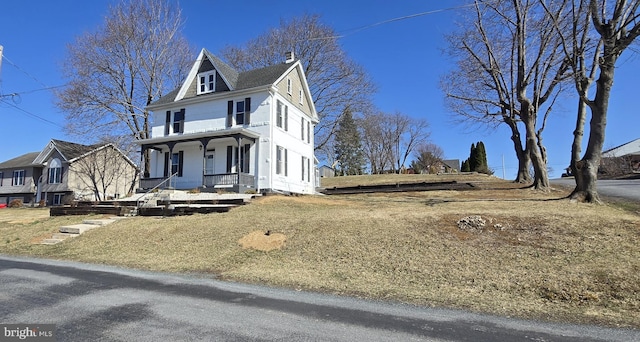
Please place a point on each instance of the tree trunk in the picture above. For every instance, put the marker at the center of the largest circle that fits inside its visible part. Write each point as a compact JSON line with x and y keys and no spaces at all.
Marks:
{"x":524,"y":160}
{"x":540,"y":173}
{"x":588,"y":167}
{"x":576,"y":146}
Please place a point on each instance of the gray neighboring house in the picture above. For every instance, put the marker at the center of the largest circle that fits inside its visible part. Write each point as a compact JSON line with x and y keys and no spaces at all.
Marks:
{"x":450,"y":166}
{"x":18,"y":178}
{"x":60,"y":173}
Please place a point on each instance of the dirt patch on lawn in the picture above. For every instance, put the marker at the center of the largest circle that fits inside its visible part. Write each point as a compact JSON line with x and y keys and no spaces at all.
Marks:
{"x":263,"y":241}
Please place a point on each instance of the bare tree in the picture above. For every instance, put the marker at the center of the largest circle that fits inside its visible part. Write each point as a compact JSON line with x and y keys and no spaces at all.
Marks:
{"x":389,"y":139}
{"x":509,"y":72}
{"x":428,"y":157}
{"x":374,"y":142}
{"x":617,"y":25}
{"x":335,"y":81}
{"x":116,"y":72}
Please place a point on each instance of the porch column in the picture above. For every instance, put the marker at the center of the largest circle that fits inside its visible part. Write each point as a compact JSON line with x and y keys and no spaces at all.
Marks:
{"x":143,"y":150}
{"x":239,"y":156}
{"x":205,"y":143}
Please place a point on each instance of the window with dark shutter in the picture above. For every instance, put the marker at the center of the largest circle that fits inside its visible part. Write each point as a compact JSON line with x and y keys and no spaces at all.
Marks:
{"x":166,"y":164}
{"x":240,"y":113}
{"x":229,"y":158}
{"x":247,"y":111}
{"x":178,"y":121}
{"x":167,"y":122}
{"x":229,"y":114}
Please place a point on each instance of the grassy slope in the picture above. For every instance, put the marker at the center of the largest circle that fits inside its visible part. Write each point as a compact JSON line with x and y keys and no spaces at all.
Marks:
{"x":539,"y":256}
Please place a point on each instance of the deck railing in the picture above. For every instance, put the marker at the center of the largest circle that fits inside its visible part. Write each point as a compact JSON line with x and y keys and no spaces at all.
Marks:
{"x":242,"y":179}
{"x":220,"y":179}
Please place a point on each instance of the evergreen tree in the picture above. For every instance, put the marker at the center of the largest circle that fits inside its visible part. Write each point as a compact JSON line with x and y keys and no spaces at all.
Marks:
{"x":348,"y":146}
{"x":481,"y":158}
{"x":465,"y":166}
{"x":472,"y":158}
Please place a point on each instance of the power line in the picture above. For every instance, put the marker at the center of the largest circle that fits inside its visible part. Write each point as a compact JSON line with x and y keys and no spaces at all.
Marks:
{"x":29,"y":91}
{"x":24,"y":72}
{"x":33,"y":115}
{"x":410,"y":16}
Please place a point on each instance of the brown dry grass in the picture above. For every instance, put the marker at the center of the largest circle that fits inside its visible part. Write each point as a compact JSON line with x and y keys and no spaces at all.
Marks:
{"x":540,"y":256}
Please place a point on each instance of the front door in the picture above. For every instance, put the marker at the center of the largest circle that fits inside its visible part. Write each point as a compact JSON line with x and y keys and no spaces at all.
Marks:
{"x":209,"y":163}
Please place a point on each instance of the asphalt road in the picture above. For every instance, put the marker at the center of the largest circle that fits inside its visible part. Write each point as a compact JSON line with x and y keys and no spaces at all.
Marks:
{"x":627,"y":188}
{"x":100,"y":303}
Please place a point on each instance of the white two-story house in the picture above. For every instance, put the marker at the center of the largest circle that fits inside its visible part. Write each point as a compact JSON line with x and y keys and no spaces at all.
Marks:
{"x":224,"y":129}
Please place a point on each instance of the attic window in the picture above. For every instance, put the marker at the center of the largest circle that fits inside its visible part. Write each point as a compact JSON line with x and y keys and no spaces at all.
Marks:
{"x":207,"y":82}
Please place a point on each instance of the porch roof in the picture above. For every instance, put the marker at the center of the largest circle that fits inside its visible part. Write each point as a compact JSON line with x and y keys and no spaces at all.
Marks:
{"x":212,"y":134}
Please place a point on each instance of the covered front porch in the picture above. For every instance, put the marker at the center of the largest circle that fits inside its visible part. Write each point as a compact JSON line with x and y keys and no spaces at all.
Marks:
{"x":211,"y":161}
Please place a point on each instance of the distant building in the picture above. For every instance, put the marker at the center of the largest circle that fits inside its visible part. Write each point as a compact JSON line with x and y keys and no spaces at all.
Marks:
{"x":450,"y":166}
{"x":624,"y":158}
{"x":327,"y":171}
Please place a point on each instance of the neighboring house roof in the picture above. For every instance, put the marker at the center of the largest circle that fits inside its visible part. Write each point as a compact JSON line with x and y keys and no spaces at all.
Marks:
{"x":25,"y":160}
{"x":452,"y":163}
{"x":67,"y":150}
{"x":630,"y":148}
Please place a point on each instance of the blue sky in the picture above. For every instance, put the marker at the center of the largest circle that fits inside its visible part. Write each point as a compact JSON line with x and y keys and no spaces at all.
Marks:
{"x":403,"y":57}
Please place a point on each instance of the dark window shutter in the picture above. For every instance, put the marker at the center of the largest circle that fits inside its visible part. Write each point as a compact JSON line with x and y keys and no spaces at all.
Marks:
{"x":229,"y":113}
{"x":229,"y":158}
{"x":166,"y":164}
{"x":180,"y":163}
{"x":247,"y":110}
{"x":167,"y":121}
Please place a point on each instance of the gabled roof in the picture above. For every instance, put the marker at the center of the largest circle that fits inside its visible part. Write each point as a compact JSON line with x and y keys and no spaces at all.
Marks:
{"x":630,"y":148}
{"x":67,"y":150}
{"x":25,"y":160}
{"x":233,"y":79}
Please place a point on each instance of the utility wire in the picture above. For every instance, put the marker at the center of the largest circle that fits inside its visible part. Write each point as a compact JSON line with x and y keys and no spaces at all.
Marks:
{"x":33,"y":115}
{"x":410,"y":16}
{"x":23,"y":71}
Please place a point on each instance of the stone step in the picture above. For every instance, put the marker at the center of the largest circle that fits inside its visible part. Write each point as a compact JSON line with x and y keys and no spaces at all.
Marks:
{"x":51,"y":241}
{"x":99,"y":222}
{"x":62,"y":236}
{"x":77,"y":228}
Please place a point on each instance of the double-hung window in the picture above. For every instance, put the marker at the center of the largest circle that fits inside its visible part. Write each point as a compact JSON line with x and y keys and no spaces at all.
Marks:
{"x":178,"y":121}
{"x":282,"y":115}
{"x":281,"y":163}
{"x":177,"y":124}
{"x":176,"y":163}
{"x":207,"y":82}
{"x":55,"y":171}
{"x":18,"y":177}
{"x":242,"y":112}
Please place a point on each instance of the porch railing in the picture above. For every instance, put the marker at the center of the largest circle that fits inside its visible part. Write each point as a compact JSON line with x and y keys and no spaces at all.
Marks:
{"x":242,"y":179}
